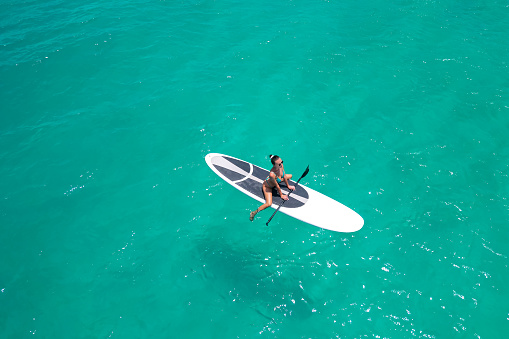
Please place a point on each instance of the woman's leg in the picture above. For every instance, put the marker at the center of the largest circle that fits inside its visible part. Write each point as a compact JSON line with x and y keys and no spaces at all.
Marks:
{"x":267,"y":192}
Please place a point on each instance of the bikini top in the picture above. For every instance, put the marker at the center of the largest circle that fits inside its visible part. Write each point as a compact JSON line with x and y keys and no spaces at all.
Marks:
{"x":277,"y":178}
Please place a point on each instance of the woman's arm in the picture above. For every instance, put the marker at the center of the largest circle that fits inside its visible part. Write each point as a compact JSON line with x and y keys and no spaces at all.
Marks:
{"x":285,"y":179}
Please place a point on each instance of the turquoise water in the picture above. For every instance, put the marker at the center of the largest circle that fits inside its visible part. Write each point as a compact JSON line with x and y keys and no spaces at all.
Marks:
{"x":112,"y":225}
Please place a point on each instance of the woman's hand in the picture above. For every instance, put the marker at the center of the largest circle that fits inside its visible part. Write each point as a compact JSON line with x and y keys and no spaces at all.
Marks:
{"x":291,"y":187}
{"x":284,"y":197}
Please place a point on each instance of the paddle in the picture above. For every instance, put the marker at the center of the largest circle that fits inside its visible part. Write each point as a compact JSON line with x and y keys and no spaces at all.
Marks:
{"x":281,"y":204}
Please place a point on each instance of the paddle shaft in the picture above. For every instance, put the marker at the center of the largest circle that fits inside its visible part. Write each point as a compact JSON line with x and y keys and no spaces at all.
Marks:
{"x":281,"y":204}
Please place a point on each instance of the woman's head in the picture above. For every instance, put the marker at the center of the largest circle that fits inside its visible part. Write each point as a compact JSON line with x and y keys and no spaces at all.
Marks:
{"x":274,"y":159}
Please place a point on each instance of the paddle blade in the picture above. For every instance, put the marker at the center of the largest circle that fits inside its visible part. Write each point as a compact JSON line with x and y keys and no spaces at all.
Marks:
{"x":305,"y":172}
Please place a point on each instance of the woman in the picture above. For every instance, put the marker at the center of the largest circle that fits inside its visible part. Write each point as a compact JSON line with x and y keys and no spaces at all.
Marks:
{"x":276,"y":175}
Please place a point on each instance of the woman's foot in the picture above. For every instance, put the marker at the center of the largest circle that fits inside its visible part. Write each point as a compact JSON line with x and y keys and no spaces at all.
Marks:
{"x":252,"y":215}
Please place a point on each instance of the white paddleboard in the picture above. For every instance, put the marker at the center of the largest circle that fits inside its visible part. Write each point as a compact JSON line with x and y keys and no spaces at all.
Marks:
{"x":304,"y":204}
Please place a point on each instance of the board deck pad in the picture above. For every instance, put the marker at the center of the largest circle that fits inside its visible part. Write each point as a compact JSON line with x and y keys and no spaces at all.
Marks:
{"x":250,"y":177}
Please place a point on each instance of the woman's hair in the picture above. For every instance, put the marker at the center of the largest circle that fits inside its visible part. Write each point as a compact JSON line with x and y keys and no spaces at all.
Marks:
{"x":273,"y":159}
